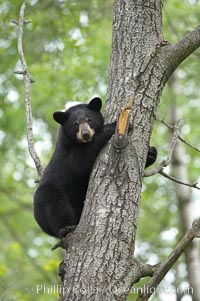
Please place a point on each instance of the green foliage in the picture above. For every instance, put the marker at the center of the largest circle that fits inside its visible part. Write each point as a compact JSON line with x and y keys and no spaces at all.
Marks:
{"x":67,"y":47}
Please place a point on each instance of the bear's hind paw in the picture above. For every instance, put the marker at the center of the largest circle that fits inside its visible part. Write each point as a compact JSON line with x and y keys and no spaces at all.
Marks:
{"x":64,"y":231}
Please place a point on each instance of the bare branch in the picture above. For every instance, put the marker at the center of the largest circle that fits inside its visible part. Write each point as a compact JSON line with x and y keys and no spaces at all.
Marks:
{"x":147,"y":269}
{"x":188,"y":44}
{"x":195,"y":185}
{"x":150,"y":287}
{"x":179,"y":137}
{"x":174,"y":54}
{"x":143,"y":270}
{"x":169,"y":156}
{"x":27,"y":80}
{"x":173,"y":143}
{"x":17,"y":23}
{"x":21,"y":72}
{"x":159,"y":168}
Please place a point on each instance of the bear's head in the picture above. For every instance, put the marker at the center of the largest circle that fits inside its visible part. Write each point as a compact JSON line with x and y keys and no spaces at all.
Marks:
{"x":81,"y":122}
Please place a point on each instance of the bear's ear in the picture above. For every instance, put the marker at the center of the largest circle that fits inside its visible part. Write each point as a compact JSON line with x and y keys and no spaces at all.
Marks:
{"x":95,"y":104}
{"x":60,"y":117}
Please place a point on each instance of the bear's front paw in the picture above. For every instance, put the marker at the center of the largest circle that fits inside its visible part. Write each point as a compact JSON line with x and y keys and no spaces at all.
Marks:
{"x":151,"y":157}
{"x":152,"y":152}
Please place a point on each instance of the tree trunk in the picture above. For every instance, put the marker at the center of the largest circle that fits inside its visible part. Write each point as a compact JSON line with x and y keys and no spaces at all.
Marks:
{"x":99,"y":262}
{"x":184,"y":199}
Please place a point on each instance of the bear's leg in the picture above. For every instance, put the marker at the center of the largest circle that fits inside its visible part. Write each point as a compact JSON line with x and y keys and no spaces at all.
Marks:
{"x":61,"y":217}
{"x":54,"y":212}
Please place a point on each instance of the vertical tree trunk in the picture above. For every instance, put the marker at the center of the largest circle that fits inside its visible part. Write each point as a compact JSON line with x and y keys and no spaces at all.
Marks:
{"x":99,"y":262}
{"x":183,"y":194}
{"x":105,"y":238}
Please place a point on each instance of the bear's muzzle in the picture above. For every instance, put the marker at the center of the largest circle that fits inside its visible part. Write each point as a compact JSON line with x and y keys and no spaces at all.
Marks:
{"x":85,"y":133}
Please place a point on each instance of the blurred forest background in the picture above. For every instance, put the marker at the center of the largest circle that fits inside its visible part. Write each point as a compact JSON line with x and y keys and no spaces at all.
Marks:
{"x":67,"y":47}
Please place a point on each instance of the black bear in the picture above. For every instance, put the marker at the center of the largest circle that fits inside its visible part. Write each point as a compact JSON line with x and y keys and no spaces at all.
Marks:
{"x":59,"y":198}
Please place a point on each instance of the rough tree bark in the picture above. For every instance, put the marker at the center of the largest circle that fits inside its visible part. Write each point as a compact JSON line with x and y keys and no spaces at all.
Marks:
{"x":99,"y":262}
{"x":184,"y":201}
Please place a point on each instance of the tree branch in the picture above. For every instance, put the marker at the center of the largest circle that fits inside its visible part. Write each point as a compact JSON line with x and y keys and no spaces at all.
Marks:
{"x":150,"y":287}
{"x":175,"y":54}
{"x":159,"y":168}
{"x":147,"y":269}
{"x":188,"y":44}
{"x":179,"y":137}
{"x":195,"y":185}
{"x":27,"y":80}
{"x":169,"y":156}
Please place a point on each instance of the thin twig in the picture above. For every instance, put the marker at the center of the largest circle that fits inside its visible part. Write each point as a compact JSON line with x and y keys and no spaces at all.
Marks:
{"x":21,"y":72}
{"x":150,"y":287}
{"x":179,"y":137}
{"x":167,"y":161}
{"x":27,"y":80}
{"x":173,"y":143}
{"x":195,"y":185}
{"x":159,"y":168}
{"x":16,"y":22}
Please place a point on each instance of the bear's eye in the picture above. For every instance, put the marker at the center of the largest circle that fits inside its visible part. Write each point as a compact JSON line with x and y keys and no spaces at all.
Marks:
{"x":76,"y":123}
{"x":88,"y":120}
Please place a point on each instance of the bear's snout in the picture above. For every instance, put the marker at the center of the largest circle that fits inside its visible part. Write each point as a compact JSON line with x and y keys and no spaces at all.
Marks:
{"x":85,"y":133}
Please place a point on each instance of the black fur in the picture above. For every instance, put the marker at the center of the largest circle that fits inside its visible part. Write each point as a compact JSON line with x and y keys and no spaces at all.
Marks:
{"x":59,"y":198}
{"x":151,"y":157}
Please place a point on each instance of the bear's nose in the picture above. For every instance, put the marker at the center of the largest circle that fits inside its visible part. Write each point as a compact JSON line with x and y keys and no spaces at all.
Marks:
{"x":86,"y":135}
